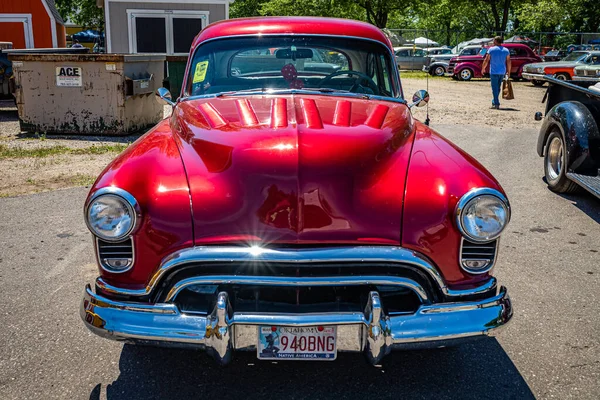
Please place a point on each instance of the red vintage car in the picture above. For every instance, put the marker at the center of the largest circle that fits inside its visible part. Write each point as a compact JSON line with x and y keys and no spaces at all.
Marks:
{"x":292,"y":211}
{"x":467,"y":67}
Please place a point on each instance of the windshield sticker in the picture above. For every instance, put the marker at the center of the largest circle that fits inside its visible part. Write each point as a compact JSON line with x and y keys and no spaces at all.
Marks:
{"x":200,"y":73}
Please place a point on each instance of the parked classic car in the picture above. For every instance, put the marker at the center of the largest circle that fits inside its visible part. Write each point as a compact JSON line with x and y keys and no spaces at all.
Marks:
{"x":562,"y":70}
{"x":589,"y":73}
{"x":554,"y":55}
{"x":467,"y":67}
{"x":295,"y":213}
{"x":410,"y":58}
{"x":569,"y":138}
{"x":437,"y":61}
{"x":437,"y":67}
{"x":438,"y":51}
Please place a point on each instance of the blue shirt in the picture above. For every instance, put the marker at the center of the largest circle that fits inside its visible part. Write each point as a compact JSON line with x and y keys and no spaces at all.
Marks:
{"x":498,"y":55}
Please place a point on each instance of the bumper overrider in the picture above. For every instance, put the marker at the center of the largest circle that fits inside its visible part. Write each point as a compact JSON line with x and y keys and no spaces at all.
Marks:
{"x":443,"y":317}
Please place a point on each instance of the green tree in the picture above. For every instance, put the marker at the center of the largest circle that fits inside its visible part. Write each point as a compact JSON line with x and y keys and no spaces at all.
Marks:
{"x":82,"y":12}
{"x":245,"y":8}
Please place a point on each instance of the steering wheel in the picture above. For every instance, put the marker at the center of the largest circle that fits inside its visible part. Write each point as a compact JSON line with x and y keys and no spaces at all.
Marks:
{"x":365,"y":78}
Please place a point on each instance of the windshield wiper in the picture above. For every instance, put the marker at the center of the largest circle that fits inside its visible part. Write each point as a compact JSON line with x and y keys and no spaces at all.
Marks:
{"x":245,"y":91}
{"x":282,"y":91}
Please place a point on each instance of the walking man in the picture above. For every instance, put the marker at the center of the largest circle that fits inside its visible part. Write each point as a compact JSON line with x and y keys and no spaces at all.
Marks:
{"x":498,"y":61}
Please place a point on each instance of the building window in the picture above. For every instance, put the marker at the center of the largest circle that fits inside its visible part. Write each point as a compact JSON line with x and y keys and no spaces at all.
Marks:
{"x":164,"y":31}
{"x":150,"y":35}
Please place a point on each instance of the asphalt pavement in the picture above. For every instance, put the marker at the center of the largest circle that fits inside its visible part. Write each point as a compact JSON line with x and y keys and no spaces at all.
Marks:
{"x":549,"y":260}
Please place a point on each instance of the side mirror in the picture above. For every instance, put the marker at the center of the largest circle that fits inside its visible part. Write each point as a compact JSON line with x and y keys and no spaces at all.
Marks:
{"x":163,"y":96}
{"x":538,"y":116}
{"x":420,"y":98}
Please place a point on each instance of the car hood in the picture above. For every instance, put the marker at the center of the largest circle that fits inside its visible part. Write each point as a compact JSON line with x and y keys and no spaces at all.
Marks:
{"x":295,"y":168}
{"x":553,"y":64}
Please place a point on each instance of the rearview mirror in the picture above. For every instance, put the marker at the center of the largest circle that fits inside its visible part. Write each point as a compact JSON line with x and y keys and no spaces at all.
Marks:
{"x":293,"y":53}
{"x":163,"y":96}
{"x":420,"y":98}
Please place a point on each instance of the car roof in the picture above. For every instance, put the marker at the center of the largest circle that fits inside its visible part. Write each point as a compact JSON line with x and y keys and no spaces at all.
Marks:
{"x":293,"y":26}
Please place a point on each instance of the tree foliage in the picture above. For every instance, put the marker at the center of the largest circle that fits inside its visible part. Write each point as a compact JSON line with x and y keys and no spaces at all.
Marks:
{"x":81,"y":12}
{"x":446,"y":16}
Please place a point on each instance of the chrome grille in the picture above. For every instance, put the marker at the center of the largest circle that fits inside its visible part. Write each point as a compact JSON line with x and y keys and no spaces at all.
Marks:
{"x":115,"y":257}
{"x":478,"y":258}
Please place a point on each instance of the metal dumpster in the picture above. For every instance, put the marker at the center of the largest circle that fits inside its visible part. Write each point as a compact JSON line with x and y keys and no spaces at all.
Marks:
{"x":176,"y":70}
{"x":107,"y":94}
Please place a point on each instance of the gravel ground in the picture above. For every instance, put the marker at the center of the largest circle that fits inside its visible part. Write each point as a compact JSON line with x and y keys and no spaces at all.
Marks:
{"x":456,"y":102}
{"x":452,"y":102}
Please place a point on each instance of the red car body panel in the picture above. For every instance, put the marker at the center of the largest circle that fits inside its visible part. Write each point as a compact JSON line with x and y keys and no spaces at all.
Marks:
{"x":475,"y":63}
{"x":152,"y":171}
{"x":287,"y":25}
{"x":438,"y":175}
{"x":294,"y":169}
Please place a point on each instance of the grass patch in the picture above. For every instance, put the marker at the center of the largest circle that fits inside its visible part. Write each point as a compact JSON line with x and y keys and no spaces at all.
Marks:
{"x":20,"y":152}
{"x":82,"y":180}
{"x":418,"y":75}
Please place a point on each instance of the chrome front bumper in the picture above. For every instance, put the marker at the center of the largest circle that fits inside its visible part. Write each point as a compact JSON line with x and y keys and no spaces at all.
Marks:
{"x":444,"y":314}
{"x":223,"y":331}
{"x":586,"y":78}
{"x":532,"y":77}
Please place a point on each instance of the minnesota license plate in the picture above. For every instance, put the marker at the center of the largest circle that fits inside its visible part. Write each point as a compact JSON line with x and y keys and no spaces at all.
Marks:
{"x":297,"y":343}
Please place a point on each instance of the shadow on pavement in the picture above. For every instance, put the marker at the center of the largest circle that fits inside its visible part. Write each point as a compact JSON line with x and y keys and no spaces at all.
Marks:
{"x":586,"y":202}
{"x":476,"y":370}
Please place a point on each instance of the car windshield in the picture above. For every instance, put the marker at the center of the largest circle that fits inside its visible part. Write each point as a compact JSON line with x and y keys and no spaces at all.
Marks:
{"x":575,"y":56}
{"x":292,"y":62}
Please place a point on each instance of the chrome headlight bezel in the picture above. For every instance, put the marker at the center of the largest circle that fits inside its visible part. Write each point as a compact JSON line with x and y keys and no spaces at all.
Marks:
{"x":127,"y":200}
{"x":464,"y":202}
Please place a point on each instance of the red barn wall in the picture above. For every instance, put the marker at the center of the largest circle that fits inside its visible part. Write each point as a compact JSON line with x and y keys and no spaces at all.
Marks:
{"x":42,"y":32}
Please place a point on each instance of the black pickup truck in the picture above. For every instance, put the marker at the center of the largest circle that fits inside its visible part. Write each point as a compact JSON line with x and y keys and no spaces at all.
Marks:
{"x":569,"y":138}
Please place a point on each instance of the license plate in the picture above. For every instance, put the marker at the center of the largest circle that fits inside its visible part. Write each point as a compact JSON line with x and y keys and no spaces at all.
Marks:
{"x":297,"y":343}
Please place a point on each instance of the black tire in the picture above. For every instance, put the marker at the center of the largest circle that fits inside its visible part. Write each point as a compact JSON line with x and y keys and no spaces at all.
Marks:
{"x":555,"y":165}
{"x":438,"y":71}
{"x":538,"y":83}
{"x":465,"y":74}
{"x":562,"y":76}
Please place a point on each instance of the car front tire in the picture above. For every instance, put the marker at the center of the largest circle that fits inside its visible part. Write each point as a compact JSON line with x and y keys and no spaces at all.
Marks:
{"x":439,"y":71}
{"x":562,"y":76}
{"x":555,"y":165}
{"x":465,"y":74}
{"x":538,"y":83}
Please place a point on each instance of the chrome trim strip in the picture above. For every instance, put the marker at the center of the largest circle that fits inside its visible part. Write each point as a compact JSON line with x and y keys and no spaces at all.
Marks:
{"x":488,"y":267}
{"x":107,"y":268}
{"x":470,"y":195}
{"x":256,"y":255}
{"x":125,"y":195}
{"x":283,"y":281}
{"x":223,"y":330}
{"x":281,"y":92}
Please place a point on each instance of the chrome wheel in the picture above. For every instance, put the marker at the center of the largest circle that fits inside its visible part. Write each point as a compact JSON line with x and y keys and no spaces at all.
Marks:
{"x":561,"y":77}
{"x":466,"y":74}
{"x":439,"y":71}
{"x":554,"y":161}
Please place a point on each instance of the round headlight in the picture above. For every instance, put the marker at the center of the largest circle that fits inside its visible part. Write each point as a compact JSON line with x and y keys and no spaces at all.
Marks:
{"x":482,"y":214}
{"x":110,"y":214}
